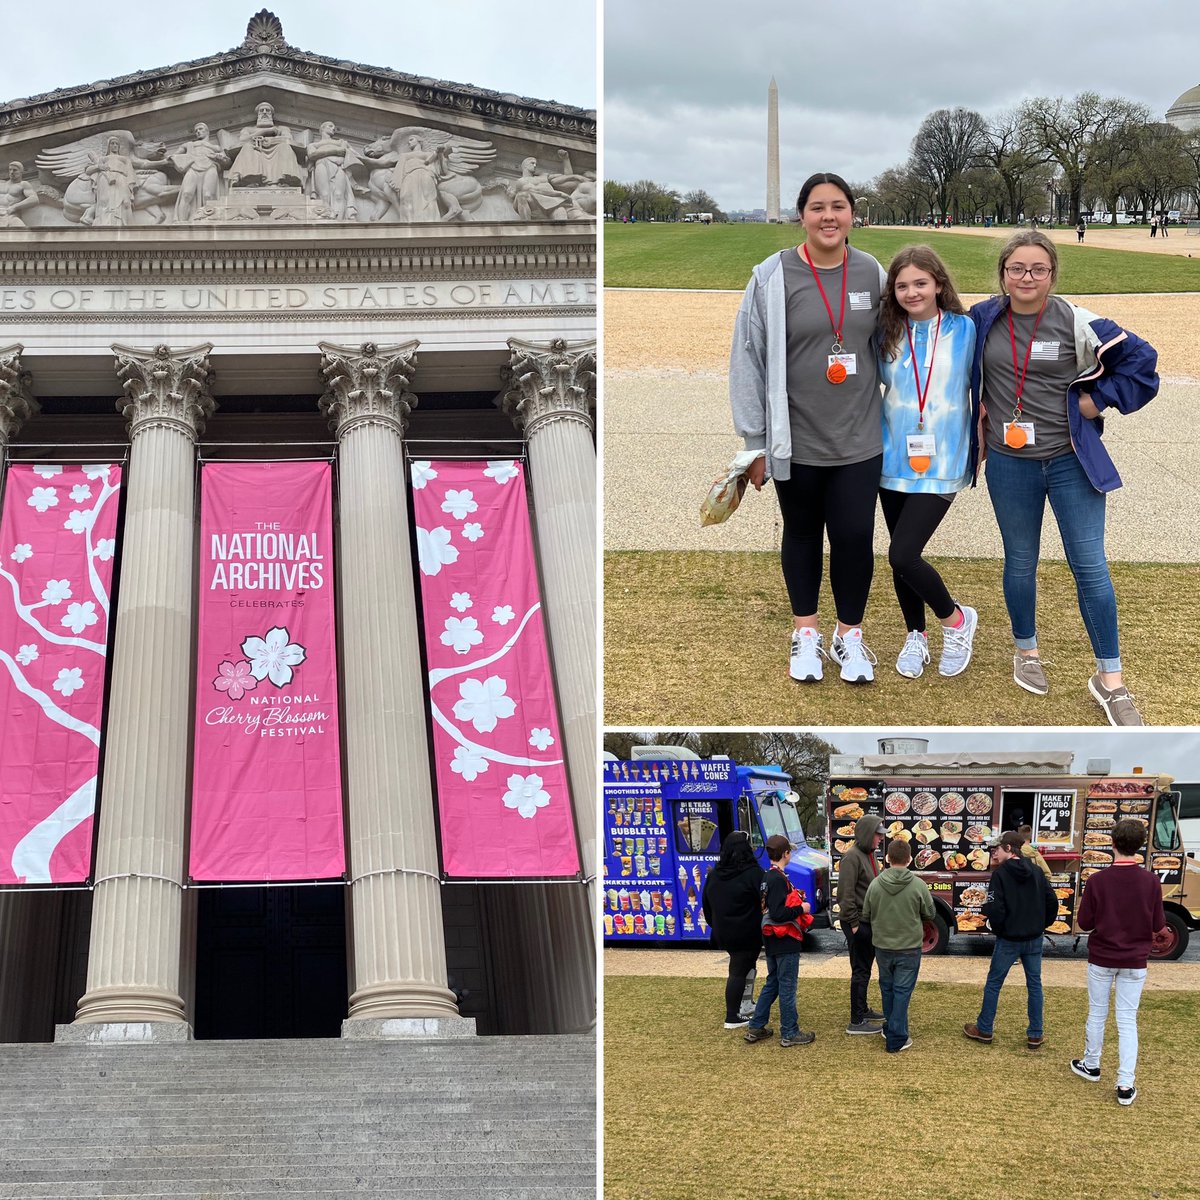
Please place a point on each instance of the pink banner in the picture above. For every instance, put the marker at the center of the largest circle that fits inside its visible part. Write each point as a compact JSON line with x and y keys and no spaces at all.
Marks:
{"x":267,"y":784}
{"x":503,"y":801}
{"x":57,"y":541}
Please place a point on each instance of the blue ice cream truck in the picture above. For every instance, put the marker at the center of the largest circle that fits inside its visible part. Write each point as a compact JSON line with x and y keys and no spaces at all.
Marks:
{"x":664,"y":821}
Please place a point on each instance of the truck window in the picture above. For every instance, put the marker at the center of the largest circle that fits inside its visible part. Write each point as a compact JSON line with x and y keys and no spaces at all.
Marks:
{"x":1166,"y":827}
{"x":748,"y":824}
{"x":780,"y":817}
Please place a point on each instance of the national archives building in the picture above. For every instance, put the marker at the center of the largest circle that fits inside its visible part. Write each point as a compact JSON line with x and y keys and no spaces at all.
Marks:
{"x":268,"y":256}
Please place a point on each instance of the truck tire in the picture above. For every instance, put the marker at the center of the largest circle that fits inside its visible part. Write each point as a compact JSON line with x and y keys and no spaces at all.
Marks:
{"x":1179,"y":939}
{"x":937,"y":936}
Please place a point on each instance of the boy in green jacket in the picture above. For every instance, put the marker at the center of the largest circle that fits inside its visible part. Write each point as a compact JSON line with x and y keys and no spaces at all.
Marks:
{"x":896,"y":905}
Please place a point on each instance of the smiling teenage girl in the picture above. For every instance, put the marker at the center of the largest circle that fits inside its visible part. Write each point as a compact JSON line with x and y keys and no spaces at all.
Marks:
{"x":926,"y":343}
{"x":804,"y":387}
{"x":1045,"y":371}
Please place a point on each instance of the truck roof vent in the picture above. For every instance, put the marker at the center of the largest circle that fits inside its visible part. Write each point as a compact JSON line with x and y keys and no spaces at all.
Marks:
{"x":659,"y":753}
{"x":1099,"y":766}
{"x":903,"y":745}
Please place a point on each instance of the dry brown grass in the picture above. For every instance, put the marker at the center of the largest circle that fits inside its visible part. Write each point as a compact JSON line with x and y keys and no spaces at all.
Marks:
{"x":691,"y":1110}
{"x":700,"y":638}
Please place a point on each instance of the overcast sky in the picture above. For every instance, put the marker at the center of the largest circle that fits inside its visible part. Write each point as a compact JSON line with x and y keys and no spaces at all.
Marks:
{"x":685,"y":85}
{"x":483,"y":42}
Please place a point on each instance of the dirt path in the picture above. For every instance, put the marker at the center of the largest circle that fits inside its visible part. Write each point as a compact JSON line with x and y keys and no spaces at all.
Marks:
{"x":1105,"y":237}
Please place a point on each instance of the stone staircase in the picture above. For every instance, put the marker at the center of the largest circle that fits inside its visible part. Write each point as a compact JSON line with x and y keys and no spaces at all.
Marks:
{"x":501,"y":1118}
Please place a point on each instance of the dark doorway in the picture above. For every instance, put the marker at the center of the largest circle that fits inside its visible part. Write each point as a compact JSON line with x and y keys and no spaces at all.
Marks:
{"x":271,"y":962}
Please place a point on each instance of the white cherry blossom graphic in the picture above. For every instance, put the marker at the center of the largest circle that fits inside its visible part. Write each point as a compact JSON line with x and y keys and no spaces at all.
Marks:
{"x":422,"y":473}
{"x":526,"y":795}
{"x":27,"y":654}
{"x":468,"y":764}
{"x":69,"y":681}
{"x":459,"y":503}
{"x":56,"y":591}
{"x":540,"y":739}
{"x":97,"y":470}
{"x":461,"y":601}
{"x":501,"y":470}
{"x":80,"y":616}
{"x":472,"y":532}
{"x":434,"y":550}
{"x":105,"y":549}
{"x":484,"y":703}
{"x":81,"y":492}
{"x":503,"y":613}
{"x":273,"y":656}
{"x":462,"y":634}
{"x":43,"y":498}
{"x":47,"y":472}
{"x":80,"y":521}
{"x":22,"y":552}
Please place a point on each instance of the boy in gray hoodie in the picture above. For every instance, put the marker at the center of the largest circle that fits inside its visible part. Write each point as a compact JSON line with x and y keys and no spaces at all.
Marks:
{"x":855,"y":873}
{"x":897,"y":904}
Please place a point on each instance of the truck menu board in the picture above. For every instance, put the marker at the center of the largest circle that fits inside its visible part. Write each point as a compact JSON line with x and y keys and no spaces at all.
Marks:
{"x":697,"y":849}
{"x":639,"y":863}
{"x":1053,"y":818}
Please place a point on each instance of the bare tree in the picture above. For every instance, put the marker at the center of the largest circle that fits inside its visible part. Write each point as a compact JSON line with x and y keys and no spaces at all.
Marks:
{"x":1161,"y":166}
{"x":949,"y":142}
{"x":1014,"y":157}
{"x":700,"y":201}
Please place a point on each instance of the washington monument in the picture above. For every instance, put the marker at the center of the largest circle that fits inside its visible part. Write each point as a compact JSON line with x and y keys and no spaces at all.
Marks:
{"x":773,"y":152}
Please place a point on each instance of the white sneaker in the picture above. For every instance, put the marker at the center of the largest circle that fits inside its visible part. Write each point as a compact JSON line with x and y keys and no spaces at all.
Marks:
{"x":857,"y":661}
{"x":807,"y":652}
{"x":957,"y":643}
{"x":915,"y":654}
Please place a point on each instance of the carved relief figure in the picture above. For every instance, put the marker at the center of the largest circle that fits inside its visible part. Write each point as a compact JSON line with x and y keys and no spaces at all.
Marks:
{"x":535,"y":197}
{"x":335,"y":165}
{"x":200,"y":164}
{"x":15,"y":195}
{"x":112,"y":175}
{"x":433,"y":176}
{"x":267,"y":157}
{"x":581,"y":189}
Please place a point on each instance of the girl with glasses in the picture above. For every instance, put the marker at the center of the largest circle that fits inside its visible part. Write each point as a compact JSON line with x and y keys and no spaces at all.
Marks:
{"x":926,"y":344}
{"x":1044,"y":373}
{"x":804,"y":387}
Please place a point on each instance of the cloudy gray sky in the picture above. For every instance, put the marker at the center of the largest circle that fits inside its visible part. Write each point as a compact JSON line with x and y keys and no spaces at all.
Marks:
{"x":686,"y":84}
{"x":482,"y":42}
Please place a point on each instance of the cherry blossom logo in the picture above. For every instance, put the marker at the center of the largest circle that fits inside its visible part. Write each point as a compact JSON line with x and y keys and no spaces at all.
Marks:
{"x":484,"y":702}
{"x":462,"y":634}
{"x":235,"y":679}
{"x":273,"y":656}
{"x":526,"y":794}
{"x":459,"y":503}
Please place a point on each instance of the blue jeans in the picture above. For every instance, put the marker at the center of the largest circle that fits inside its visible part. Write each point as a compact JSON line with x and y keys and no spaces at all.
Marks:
{"x":1019,"y":488}
{"x":1004,"y":954}
{"x":897,"y":978}
{"x":783,"y":973}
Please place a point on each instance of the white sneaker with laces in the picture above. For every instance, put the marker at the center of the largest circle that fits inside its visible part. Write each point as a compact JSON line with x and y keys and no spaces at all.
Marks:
{"x":856,"y":659}
{"x":957,"y":643}
{"x":808,"y":649}
{"x":914,"y":655}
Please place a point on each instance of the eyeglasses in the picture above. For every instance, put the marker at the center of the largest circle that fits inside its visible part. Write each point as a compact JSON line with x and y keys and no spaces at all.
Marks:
{"x":1040,"y":271}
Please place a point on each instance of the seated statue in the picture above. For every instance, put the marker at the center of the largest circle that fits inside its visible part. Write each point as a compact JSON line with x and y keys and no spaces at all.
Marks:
{"x":267,"y":157}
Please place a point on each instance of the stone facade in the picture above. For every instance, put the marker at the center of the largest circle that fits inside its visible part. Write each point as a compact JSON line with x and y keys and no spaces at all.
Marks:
{"x":267,"y":253}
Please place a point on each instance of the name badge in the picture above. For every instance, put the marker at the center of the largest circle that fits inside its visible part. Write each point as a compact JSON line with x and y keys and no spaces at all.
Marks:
{"x":1045,"y":351}
{"x":860,"y":301}
{"x":1026,"y":427}
{"x":848,"y":361}
{"x":921,"y":445}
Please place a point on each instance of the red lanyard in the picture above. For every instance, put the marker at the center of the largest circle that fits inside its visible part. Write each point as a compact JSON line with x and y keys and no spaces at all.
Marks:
{"x":1020,"y":373}
{"x":837,"y":329}
{"x":922,"y":395}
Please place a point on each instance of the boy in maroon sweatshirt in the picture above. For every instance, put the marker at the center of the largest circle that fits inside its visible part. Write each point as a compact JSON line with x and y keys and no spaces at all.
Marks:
{"x":1122,"y":912}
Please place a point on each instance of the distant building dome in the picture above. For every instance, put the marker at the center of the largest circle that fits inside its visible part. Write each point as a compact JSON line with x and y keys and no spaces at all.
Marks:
{"x":1185,"y":112}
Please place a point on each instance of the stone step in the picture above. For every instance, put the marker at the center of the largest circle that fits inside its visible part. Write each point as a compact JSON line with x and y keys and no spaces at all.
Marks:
{"x":336,"y":1188}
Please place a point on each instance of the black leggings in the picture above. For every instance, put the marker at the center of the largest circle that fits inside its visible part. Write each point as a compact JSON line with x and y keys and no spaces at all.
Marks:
{"x":840,"y":501}
{"x":912,"y":518}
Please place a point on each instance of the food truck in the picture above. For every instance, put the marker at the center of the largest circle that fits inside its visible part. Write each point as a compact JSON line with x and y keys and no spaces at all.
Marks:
{"x":949,"y":806}
{"x":666,"y":813}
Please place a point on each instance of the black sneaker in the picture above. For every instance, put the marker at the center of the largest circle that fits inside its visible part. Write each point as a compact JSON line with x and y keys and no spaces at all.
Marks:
{"x":759,"y":1035}
{"x":863,"y":1026}
{"x":1126,"y":1095}
{"x":807,"y":1039}
{"x":872,"y":1015}
{"x":1092,"y":1074}
{"x":741,"y":1023}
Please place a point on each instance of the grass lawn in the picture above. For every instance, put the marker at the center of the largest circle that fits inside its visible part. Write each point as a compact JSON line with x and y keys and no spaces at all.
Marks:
{"x":647,"y":255}
{"x":699,"y":638}
{"x":691,"y":1110}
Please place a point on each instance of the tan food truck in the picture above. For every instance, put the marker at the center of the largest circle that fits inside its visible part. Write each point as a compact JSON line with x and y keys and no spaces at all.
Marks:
{"x":948,"y":806}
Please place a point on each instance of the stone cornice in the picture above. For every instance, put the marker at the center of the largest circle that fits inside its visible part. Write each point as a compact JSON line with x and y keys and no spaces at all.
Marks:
{"x":165,"y":388}
{"x":17,"y":404}
{"x":264,"y":54}
{"x":367,"y":385}
{"x":548,"y":382}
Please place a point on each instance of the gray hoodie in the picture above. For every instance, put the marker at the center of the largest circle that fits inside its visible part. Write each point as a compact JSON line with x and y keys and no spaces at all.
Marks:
{"x":856,"y":870}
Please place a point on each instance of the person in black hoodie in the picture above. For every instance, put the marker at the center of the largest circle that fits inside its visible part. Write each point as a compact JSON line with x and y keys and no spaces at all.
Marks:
{"x":734,"y":913}
{"x":1020,"y":906}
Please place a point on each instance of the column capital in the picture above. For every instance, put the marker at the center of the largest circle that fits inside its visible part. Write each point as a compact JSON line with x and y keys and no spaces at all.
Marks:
{"x":366,"y":385}
{"x":165,"y":388}
{"x":17,"y":404}
{"x":550,"y":381}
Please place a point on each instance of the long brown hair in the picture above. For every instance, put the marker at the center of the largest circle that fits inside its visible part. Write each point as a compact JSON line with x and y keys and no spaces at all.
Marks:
{"x":892,"y":317}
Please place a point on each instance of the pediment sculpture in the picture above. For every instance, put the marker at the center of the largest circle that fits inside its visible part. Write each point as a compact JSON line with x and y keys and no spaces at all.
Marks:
{"x":271,"y":170}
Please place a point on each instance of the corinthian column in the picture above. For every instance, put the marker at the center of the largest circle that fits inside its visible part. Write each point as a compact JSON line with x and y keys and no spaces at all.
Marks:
{"x":399,"y":946}
{"x":551,"y":397}
{"x":133,"y":981}
{"x":17,"y":404}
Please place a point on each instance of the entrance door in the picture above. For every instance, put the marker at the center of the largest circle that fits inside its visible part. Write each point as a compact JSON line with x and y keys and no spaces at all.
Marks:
{"x":271,"y":962}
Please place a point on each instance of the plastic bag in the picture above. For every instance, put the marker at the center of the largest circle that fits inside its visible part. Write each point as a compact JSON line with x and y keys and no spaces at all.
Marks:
{"x":726,"y":493}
